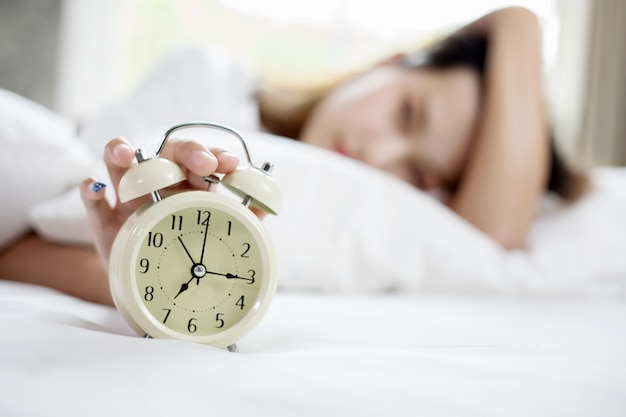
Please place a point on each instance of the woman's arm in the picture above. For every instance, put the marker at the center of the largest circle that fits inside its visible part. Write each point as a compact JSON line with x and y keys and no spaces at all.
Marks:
{"x":507,"y":170}
{"x":74,"y":270}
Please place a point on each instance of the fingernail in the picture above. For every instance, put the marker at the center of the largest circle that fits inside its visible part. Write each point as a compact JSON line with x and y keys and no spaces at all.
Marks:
{"x":230,"y":154}
{"x":120,"y":148}
{"x":226,"y":152}
{"x":97,"y":186}
{"x":200,"y":158}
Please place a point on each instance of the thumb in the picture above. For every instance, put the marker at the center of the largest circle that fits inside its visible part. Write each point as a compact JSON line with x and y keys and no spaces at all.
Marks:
{"x":102,"y":219}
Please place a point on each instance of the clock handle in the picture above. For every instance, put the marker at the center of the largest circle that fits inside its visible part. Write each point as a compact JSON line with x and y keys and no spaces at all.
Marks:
{"x":254,"y":185}
{"x":210,"y":125}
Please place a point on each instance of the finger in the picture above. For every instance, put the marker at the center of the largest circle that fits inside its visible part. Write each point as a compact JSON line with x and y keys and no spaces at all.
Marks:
{"x":118,"y":157}
{"x":100,"y":215}
{"x":259,"y":213}
{"x":226,"y":160}
{"x":191,"y":155}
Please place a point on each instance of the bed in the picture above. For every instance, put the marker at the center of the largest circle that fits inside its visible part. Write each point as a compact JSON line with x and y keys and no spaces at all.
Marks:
{"x":321,"y":355}
{"x":389,"y":304}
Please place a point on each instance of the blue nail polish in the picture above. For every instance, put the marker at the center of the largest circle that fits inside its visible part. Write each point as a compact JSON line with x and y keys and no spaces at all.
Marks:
{"x":97,"y":186}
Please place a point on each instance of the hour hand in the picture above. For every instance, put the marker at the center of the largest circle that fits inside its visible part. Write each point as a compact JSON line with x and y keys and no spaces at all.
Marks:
{"x":184,"y":287}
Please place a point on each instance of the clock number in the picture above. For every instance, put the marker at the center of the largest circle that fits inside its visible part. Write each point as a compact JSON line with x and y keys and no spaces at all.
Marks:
{"x":203,"y":217}
{"x":149,"y":295}
{"x":155,"y":240}
{"x":177,"y":222}
{"x":191,"y":327}
{"x":230,"y":225}
{"x":252,"y":273}
{"x":169,"y":310}
{"x":246,"y":250}
{"x":219,"y":320}
{"x":145,"y":264}
{"x":240,"y":303}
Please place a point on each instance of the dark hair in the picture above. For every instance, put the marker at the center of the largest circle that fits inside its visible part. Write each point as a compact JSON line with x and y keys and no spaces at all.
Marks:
{"x":462,"y":50}
{"x":452,"y":51}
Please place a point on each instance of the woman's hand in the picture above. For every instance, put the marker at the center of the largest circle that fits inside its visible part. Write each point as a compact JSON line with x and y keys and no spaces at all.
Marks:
{"x":105,"y":221}
{"x":507,"y":169}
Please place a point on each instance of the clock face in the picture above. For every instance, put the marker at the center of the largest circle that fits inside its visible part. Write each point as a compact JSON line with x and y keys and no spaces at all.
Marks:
{"x":198,"y":270}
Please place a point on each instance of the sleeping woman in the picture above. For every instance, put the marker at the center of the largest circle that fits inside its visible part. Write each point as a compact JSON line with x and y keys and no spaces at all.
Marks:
{"x":464,"y":117}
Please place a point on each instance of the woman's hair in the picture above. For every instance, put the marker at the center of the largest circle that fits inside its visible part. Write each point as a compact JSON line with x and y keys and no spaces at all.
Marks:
{"x":284,"y":111}
{"x":455,"y":50}
{"x":462,"y":50}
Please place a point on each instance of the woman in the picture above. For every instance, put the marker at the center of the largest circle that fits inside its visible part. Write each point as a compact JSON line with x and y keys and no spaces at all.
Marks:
{"x":466,"y":116}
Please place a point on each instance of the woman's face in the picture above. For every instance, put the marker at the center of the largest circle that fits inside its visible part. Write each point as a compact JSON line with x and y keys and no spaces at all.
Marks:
{"x":416,"y":124}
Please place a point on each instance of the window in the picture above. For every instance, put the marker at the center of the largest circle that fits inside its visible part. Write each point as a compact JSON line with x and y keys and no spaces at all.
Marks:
{"x":288,"y":40}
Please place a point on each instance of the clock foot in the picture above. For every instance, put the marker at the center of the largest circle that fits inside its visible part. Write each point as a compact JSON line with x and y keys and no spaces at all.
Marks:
{"x":147,"y":336}
{"x":233,"y":348}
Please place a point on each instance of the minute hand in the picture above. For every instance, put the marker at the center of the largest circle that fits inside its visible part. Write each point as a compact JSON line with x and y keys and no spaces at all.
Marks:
{"x":228,"y":275}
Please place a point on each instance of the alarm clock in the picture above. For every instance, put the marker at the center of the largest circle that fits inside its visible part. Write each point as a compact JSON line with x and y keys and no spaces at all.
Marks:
{"x":196,"y":265}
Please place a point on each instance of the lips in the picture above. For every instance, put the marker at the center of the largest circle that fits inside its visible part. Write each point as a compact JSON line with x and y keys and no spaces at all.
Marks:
{"x":341,"y":149}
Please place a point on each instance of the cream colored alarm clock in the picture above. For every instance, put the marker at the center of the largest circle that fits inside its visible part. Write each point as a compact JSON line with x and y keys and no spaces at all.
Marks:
{"x":196,"y":265}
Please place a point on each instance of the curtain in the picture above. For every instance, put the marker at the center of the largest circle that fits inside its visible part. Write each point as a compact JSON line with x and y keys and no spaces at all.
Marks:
{"x":603,"y":139}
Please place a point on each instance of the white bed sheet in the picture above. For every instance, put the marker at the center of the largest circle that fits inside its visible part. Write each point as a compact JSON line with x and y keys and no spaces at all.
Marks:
{"x":321,"y":355}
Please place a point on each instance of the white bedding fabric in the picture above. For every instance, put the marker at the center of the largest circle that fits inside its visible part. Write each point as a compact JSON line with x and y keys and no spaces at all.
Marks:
{"x":321,"y":355}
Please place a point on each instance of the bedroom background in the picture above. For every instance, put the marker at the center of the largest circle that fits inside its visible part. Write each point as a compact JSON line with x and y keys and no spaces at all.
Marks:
{"x":73,"y":56}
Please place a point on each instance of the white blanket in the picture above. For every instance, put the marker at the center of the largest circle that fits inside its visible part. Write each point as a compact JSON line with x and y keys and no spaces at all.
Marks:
{"x":321,"y":355}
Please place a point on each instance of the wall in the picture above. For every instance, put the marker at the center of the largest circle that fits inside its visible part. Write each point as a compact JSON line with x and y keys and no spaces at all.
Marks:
{"x":29,"y":45}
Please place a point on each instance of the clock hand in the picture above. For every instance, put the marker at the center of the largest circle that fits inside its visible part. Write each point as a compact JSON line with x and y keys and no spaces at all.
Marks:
{"x":228,"y":275}
{"x":206,"y":232}
{"x":184,"y":287}
{"x":186,"y":251}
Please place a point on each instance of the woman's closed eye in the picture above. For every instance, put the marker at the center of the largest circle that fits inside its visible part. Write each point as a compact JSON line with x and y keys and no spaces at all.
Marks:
{"x":411,"y":116}
{"x":406,"y":115}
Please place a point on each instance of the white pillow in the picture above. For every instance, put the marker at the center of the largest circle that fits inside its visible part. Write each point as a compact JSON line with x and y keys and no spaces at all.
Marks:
{"x":187,"y":84}
{"x":40,"y":157}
